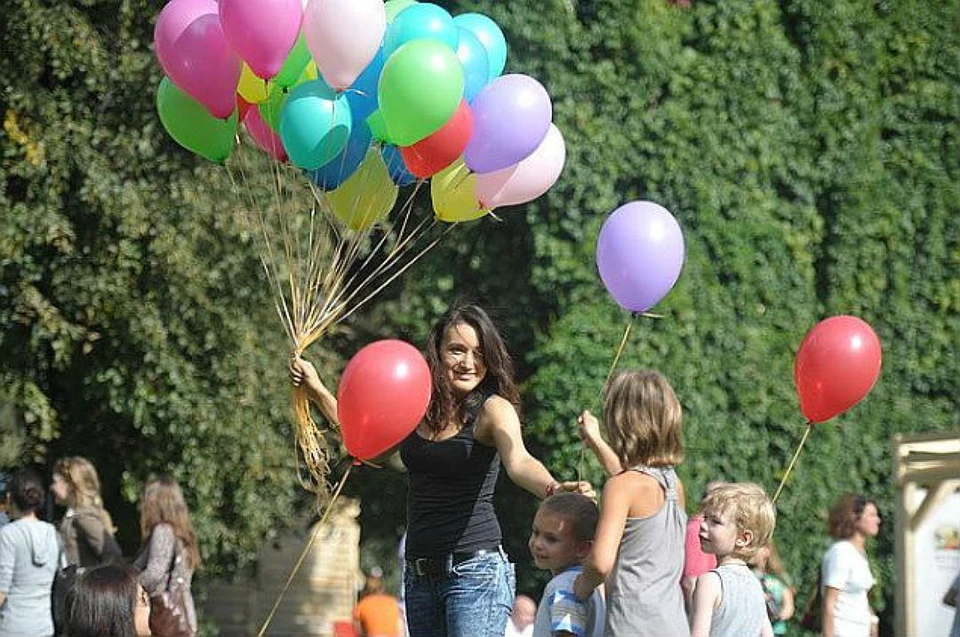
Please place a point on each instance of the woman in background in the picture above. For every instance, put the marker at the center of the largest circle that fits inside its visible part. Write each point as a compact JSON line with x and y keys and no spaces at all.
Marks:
{"x":86,"y":529}
{"x":28,"y":561}
{"x":170,"y":554}
{"x":845,"y":572}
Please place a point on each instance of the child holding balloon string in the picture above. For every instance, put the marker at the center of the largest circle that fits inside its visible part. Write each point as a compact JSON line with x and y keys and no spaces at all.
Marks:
{"x":639,"y":545}
{"x":458,"y":581}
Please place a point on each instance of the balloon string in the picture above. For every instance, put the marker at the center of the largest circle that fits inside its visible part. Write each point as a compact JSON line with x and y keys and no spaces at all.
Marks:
{"x":613,"y":368}
{"x":305,"y":551}
{"x":793,"y":461}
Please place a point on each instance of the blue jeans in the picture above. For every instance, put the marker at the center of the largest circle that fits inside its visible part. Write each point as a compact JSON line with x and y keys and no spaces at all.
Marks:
{"x":472,"y":600}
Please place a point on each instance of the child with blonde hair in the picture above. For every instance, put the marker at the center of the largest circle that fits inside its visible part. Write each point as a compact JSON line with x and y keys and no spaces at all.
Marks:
{"x":738,"y":521}
{"x":639,"y":545}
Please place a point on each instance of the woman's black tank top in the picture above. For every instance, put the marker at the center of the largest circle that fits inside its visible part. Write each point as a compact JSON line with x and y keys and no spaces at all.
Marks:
{"x":450,"y":500}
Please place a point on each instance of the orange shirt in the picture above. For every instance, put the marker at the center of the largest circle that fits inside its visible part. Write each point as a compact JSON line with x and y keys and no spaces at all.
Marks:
{"x":379,"y":615}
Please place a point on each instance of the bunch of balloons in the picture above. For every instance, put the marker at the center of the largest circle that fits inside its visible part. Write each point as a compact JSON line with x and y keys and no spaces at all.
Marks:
{"x":364,"y":96}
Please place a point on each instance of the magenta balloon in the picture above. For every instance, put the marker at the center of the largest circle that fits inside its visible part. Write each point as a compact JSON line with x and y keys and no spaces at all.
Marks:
{"x":262,"y":32}
{"x":194,"y":53}
{"x":263,"y":136}
{"x":511,"y":116}
{"x":640,"y":254}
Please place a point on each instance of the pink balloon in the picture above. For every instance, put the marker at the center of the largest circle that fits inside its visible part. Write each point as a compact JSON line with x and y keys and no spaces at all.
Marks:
{"x":263,"y":32}
{"x":264,"y":136}
{"x":194,"y":53}
{"x":528,"y":179}
{"x":343,"y":36}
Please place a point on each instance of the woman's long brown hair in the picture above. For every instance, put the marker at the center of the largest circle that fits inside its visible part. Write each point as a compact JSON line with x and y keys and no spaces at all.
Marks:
{"x":444,"y":408}
{"x":163,"y":503}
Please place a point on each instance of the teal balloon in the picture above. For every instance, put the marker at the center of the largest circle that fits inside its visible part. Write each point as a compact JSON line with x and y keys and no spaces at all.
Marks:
{"x":476,"y":69}
{"x":315,"y":124}
{"x":393,"y":8}
{"x":420,"y":89}
{"x":192,"y":126}
{"x":490,"y":35}
{"x":422,"y":20}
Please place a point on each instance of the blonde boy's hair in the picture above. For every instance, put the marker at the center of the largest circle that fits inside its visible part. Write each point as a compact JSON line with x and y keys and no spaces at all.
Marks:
{"x":751,"y":509}
{"x":642,"y":417}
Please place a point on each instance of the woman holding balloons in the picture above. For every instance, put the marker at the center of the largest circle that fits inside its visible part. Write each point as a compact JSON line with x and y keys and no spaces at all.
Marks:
{"x":458,"y":580}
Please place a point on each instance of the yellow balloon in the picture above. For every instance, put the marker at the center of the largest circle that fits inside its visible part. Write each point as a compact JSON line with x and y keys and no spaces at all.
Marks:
{"x":310,"y":73}
{"x":367,"y":196}
{"x":252,"y":88}
{"x":454,"y":194}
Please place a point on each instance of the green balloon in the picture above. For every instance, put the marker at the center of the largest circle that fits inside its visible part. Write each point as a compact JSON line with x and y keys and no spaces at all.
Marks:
{"x":393,"y":7}
{"x":420,"y":89}
{"x":192,"y":126}
{"x":271,"y":107}
{"x":295,"y":63}
{"x":378,"y":128}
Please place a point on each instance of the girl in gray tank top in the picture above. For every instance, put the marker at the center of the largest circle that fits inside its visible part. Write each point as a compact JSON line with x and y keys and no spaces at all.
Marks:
{"x":638,"y":549}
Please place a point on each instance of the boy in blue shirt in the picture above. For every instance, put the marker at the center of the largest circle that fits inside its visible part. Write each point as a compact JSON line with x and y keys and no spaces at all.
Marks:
{"x":560,"y":539}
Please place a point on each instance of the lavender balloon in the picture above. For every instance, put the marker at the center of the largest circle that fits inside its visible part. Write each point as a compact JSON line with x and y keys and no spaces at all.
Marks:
{"x":640,"y":254}
{"x":511,"y":116}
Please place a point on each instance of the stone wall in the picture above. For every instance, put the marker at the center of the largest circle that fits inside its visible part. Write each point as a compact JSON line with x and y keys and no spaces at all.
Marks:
{"x":322,"y":592}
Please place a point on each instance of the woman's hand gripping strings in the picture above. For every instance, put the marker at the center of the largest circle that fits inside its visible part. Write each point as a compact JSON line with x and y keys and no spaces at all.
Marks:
{"x":304,"y":374}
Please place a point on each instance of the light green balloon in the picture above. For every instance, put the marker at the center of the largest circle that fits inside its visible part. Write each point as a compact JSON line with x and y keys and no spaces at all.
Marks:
{"x":393,"y":7}
{"x":378,"y":127}
{"x":192,"y":126}
{"x":295,"y":63}
{"x":271,"y":107}
{"x":420,"y":89}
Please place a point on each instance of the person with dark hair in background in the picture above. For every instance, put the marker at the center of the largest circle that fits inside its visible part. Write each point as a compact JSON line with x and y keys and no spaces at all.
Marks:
{"x":845,"y":572}
{"x":458,"y":580}
{"x":103,"y":603}
{"x":28,"y":561}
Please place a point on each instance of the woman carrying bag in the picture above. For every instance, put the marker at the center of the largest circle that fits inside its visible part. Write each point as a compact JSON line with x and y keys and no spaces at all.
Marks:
{"x":168,"y":560}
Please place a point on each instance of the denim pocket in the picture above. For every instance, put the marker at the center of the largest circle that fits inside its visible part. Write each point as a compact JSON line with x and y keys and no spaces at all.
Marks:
{"x":484,"y":568}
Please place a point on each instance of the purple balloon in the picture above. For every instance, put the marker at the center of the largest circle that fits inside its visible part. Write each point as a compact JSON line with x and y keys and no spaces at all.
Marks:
{"x":511,"y":116}
{"x":640,"y":254}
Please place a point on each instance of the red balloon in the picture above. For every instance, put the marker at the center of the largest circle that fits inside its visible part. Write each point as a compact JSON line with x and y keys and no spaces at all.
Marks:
{"x":837,"y":365}
{"x":383,"y":395}
{"x":432,"y":154}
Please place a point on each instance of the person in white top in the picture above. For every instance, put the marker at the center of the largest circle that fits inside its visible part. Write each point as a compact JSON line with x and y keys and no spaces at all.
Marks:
{"x":520,"y":623}
{"x":845,"y":572}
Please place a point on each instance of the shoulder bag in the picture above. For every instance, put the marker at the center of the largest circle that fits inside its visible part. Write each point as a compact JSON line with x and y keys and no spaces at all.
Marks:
{"x":168,"y":610}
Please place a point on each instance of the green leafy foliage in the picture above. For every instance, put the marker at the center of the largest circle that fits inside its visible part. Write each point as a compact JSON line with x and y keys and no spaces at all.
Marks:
{"x":809,"y":151}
